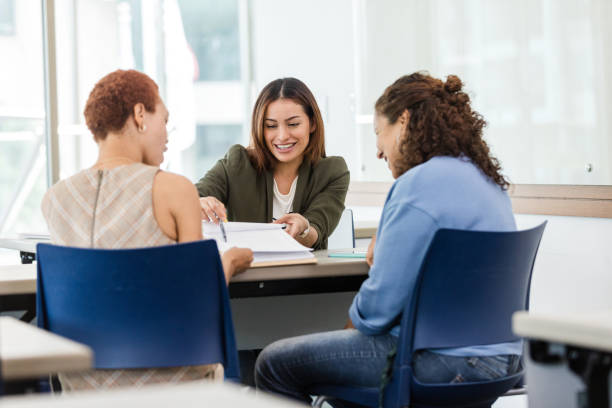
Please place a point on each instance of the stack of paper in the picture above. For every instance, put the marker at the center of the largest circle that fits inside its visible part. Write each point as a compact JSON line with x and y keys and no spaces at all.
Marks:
{"x":270,"y":244}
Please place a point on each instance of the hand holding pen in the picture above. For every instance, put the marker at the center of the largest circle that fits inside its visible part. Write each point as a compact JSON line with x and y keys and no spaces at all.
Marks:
{"x":213,"y":210}
{"x":221,"y":222}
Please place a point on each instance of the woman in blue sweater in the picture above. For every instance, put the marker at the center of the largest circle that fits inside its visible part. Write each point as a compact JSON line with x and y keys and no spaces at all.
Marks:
{"x":445,"y":178}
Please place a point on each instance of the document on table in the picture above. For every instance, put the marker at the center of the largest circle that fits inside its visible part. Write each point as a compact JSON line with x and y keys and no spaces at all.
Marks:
{"x":270,"y":244}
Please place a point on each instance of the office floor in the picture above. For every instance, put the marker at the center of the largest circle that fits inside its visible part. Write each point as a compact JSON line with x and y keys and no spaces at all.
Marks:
{"x":516,"y":401}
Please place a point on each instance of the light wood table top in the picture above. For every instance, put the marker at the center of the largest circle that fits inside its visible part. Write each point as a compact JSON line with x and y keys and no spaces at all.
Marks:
{"x":17,"y":279}
{"x":160,"y":396}
{"x":325,"y":267}
{"x":589,"y":329}
{"x":21,"y":279}
{"x":29,"y":352}
{"x":325,"y":276}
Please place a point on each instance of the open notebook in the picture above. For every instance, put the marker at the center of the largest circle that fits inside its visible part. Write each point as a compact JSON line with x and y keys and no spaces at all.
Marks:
{"x":270,"y":244}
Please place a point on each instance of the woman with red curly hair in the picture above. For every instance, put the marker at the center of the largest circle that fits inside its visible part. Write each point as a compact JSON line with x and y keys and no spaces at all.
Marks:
{"x":445,"y":178}
{"x":125,"y":201}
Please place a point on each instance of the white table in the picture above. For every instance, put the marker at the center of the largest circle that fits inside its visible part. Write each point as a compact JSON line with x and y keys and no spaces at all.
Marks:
{"x":266,"y":281}
{"x":27,"y":352}
{"x":21,"y":244}
{"x":18,"y":289}
{"x":588,"y":330}
{"x":267,"y":303}
{"x":26,"y":247}
{"x":17,"y":279}
{"x":160,"y":396}
{"x":255,"y":282}
{"x":569,"y":356}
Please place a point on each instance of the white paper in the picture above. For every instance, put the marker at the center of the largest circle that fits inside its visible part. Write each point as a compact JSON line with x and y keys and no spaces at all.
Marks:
{"x":269,"y":242}
{"x":210,"y":228}
{"x":280,"y":256}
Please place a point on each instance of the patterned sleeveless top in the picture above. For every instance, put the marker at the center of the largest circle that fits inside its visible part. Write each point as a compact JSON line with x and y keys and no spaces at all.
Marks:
{"x":113,"y":208}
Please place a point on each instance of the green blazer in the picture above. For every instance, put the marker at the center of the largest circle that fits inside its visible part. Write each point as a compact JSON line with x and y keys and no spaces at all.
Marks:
{"x":247,"y":194}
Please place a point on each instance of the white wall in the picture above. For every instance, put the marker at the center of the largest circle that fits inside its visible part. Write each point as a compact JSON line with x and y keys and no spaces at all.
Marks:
{"x":573,"y":270}
{"x":312,"y":41}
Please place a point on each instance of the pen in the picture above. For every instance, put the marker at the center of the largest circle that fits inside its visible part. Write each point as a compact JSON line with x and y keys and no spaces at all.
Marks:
{"x":283,"y":226}
{"x":222,"y":228}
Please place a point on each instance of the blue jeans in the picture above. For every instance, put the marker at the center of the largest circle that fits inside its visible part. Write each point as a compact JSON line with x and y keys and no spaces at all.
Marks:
{"x":348,"y":357}
{"x":432,"y":367}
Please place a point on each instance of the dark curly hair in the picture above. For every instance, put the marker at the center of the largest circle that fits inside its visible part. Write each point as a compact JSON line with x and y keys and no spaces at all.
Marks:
{"x":442,"y":123}
{"x":112,"y":100}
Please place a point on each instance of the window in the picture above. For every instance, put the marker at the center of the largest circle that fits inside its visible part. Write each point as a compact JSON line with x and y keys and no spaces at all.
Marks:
{"x":211,"y":143}
{"x":190,"y":48}
{"x":212,"y":32}
{"x":536,"y":70}
{"x":23,"y":178}
{"x":7,"y":17}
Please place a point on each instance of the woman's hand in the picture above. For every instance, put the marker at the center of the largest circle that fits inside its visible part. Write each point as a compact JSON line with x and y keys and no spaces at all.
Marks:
{"x":296,"y":223}
{"x":370,"y":253}
{"x":236,"y":260}
{"x":212,"y":209}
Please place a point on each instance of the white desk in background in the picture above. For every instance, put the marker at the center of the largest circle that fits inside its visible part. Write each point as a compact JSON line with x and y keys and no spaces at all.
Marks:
{"x":17,"y":279}
{"x":568,"y":359}
{"x":267,"y":303}
{"x":26,"y":247}
{"x":27,"y":352}
{"x":18,"y":289}
{"x":189,"y":395}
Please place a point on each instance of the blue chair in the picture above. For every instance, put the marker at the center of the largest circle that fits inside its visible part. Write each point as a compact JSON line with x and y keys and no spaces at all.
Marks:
{"x":148,"y":307}
{"x":469,"y":284}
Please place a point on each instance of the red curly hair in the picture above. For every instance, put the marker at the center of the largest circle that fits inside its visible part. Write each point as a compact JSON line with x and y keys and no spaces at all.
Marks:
{"x":442,"y":123}
{"x":112,"y":100}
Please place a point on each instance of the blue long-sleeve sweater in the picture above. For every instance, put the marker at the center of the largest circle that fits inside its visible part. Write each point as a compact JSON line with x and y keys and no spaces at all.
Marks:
{"x":444,"y":192}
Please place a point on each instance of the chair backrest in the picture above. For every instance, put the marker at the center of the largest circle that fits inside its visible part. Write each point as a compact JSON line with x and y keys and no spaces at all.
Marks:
{"x":148,"y":307}
{"x":469,"y":285}
{"x":344,"y":234}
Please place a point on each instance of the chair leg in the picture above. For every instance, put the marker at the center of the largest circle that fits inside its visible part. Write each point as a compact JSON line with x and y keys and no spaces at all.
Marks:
{"x":319,"y":400}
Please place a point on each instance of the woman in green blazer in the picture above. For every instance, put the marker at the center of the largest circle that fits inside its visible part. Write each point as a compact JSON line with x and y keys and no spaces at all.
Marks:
{"x":284,"y":175}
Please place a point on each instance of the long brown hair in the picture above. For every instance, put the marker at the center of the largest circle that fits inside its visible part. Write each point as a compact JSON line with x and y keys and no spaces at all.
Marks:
{"x":297,"y":91}
{"x":442,"y":123}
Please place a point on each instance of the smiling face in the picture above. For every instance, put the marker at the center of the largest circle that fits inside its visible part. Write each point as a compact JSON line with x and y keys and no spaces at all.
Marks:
{"x":387,"y":139}
{"x":287,"y":130}
{"x":155,"y":138}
